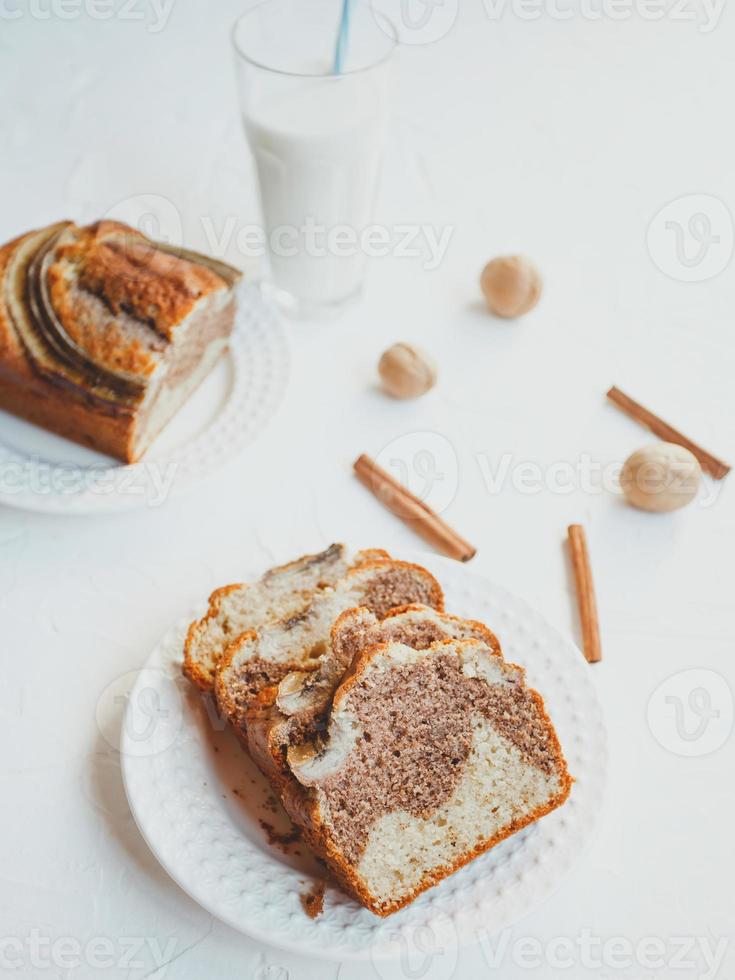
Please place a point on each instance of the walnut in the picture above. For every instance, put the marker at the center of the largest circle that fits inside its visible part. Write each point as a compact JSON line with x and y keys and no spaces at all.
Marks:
{"x":511,"y":284}
{"x":407,"y":371}
{"x":661,"y":477}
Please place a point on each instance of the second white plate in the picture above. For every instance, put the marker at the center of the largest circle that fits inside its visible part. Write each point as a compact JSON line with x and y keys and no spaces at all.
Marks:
{"x":43,"y":472}
{"x":207,"y":815}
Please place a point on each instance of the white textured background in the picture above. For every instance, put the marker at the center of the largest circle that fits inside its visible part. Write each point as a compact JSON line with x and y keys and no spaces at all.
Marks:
{"x":562,"y":139}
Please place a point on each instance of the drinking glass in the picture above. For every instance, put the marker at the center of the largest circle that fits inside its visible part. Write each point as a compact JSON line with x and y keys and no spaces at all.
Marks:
{"x":317,"y":138}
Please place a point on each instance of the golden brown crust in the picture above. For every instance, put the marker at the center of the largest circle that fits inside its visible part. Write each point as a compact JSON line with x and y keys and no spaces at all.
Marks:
{"x":266,"y":753}
{"x":35,"y":401}
{"x":24,"y":393}
{"x":192,"y":667}
{"x":371,"y":554}
{"x":14,"y":366}
{"x":488,"y":637}
{"x":131,"y":275}
{"x":63,"y":377}
{"x":435,"y":597}
{"x":351,"y":883}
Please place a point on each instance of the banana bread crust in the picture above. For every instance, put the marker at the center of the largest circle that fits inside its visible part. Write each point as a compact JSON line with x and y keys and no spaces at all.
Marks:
{"x":90,"y":319}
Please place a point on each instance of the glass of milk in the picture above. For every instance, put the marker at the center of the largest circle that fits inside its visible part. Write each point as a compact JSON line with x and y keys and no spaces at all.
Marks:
{"x":317,"y":140}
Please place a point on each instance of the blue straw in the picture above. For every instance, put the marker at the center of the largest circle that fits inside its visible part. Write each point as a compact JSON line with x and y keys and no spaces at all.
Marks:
{"x":340,"y":51}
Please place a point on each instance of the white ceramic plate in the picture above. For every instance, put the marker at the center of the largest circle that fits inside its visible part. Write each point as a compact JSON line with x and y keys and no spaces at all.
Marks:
{"x":41,"y":471}
{"x":199,"y":802}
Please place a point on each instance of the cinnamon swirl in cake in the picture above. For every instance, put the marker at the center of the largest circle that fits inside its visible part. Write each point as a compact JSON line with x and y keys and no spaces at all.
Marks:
{"x":282,"y":593}
{"x":260,"y":658}
{"x":430,"y":758}
{"x":396,"y":736}
{"x":104,"y":334}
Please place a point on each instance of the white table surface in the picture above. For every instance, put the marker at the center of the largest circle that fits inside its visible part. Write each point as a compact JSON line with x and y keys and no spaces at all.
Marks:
{"x":559,"y":138}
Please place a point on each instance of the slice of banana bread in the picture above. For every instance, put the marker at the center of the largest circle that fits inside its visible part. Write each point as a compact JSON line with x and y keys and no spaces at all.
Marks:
{"x":257,"y":660}
{"x":282,"y":592}
{"x":288,"y":714}
{"x":431,"y":757}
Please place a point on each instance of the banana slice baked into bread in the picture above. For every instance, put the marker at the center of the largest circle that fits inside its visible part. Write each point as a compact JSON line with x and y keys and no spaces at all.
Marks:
{"x":431,"y":757}
{"x":104,"y":334}
{"x":282,"y":593}
{"x":256,"y":660}
{"x":286,"y":715}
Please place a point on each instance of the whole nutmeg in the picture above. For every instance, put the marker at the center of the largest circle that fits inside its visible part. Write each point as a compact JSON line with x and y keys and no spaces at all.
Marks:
{"x":406,"y":371}
{"x":511,"y":285}
{"x":661,"y":477}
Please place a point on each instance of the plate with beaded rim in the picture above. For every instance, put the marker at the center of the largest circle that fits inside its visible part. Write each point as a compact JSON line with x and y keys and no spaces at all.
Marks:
{"x":208,"y":816}
{"x":41,"y":471}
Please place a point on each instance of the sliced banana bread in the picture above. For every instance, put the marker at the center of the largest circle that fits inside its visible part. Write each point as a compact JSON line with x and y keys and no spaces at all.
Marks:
{"x":285,"y":715}
{"x":431,"y":757}
{"x":256,"y":660}
{"x":282,"y":592}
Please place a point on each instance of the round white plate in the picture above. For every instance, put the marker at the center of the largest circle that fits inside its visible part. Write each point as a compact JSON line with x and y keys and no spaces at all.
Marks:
{"x":201,"y":804}
{"x":42,"y":471}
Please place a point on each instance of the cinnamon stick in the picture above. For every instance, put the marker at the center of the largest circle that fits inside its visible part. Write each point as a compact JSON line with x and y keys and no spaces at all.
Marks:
{"x":411,"y":510}
{"x":711,"y":464}
{"x":585,"y":593}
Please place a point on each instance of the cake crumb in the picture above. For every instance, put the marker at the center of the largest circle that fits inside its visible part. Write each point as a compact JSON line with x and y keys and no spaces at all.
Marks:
{"x":279,"y":839}
{"x":313,"y":901}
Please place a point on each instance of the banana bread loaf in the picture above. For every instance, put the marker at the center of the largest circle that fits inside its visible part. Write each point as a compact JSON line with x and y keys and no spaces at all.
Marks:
{"x":104,"y":334}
